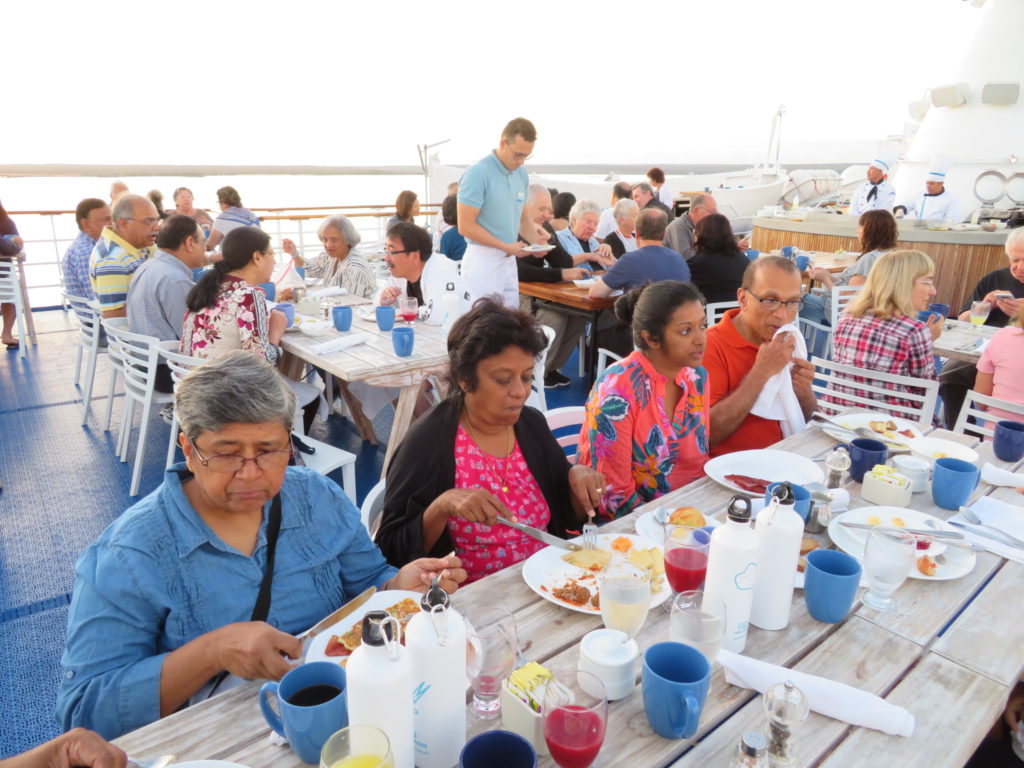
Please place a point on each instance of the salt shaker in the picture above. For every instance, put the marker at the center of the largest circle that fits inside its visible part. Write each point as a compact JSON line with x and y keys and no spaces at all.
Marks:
{"x":786,"y":707}
{"x":837,"y":463}
{"x":751,"y":751}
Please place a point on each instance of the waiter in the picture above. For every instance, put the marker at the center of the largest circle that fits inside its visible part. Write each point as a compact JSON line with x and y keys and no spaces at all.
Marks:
{"x":877,"y":193}
{"x":935,"y":202}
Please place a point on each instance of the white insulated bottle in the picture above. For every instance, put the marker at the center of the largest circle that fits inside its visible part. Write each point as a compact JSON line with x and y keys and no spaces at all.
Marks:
{"x":779,"y":530}
{"x":732,"y":568}
{"x":450,"y":307}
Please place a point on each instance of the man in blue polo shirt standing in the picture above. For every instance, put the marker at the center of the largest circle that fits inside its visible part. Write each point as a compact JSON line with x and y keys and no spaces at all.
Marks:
{"x":491,"y":198}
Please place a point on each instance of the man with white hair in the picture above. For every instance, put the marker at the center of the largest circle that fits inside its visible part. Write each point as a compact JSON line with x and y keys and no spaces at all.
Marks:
{"x":118,"y":189}
{"x":578,"y":240}
{"x":120,"y":250}
{"x":877,"y":193}
{"x":622,"y":239}
{"x":680,"y":233}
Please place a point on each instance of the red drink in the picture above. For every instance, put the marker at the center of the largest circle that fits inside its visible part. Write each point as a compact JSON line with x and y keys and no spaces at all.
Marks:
{"x":574,"y":736}
{"x":408,"y":317}
{"x":685,"y":568}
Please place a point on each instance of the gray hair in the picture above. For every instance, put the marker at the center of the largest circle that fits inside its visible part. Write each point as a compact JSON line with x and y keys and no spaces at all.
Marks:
{"x":624,"y":208}
{"x":536,"y":189}
{"x":124,"y":207}
{"x":643,"y":186}
{"x":700,"y":200}
{"x":343,"y":225}
{"x":582,"y":208}
{"x":238,"y":387}
{"x":1016,"y":238}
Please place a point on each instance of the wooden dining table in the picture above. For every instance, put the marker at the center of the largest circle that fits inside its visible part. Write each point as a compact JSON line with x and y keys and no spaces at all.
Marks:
{"x":963,"y":341}
{"x":950,"y":654}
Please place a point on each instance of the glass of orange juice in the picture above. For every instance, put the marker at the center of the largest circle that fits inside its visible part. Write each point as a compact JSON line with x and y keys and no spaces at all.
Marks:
{"x":358,"y":746}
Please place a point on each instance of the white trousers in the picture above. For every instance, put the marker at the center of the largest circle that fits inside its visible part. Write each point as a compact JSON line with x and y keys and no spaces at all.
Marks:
{"x":490,"y":271}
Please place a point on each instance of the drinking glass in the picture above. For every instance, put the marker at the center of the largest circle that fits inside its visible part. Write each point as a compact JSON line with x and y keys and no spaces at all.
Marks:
{"x":575,"y":716}
{"x":357,"y":746}
{"x":686,"y":557}
{"x":888,"y":558}
{"x":408,"y":307}
{"x":698,"y":619}
{"x":625,"y":597}
{"x":979,"y":312}
{"x":490,"y":658}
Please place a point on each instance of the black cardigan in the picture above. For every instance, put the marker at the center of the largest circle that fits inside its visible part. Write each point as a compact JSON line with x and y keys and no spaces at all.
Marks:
{"x":423,"y":467}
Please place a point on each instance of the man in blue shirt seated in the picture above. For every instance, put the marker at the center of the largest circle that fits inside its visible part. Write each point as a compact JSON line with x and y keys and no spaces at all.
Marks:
{"x":92,"y":215}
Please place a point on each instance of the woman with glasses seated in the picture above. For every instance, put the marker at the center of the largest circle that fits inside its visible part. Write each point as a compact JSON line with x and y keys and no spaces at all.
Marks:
{"x":217,"y":569}
{"x":880,"y":332}
{"x":340,"y":264}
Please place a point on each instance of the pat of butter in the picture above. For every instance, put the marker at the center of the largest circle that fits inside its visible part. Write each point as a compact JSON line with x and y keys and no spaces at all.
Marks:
{"x":889,"y":476}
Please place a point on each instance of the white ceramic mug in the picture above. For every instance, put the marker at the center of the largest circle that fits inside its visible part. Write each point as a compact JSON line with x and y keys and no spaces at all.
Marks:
{"x":915,"y":470}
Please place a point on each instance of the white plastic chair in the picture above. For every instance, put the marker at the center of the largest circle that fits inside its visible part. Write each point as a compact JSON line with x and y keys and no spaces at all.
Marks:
{"x":538,"y":399}
{"x":568,"y":419}
{"x":373,"y":505}
{"x":10,"y":293}
{"x":604,"y":358}
{"x":90,"y":333}
{"x":921,"y":410}
{"x":982,"y":418}
{"x":180,"y":365}
{"x":139,"y":355}
{"x":841,"y":296}
{"x":715,"y":310}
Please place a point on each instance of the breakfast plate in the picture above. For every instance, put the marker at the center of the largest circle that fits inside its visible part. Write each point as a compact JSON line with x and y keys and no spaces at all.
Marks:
{"x":865,"y":419}
{"x":651,"y":529}
{"x":380,"y":601}
{"x":771,"y":465}
{"x":894,"y":517}
{"x":546,"y":571}
{"x":538,"y":248}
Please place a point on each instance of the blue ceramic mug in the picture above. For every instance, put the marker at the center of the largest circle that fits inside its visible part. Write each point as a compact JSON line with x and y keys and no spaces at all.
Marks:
{"x":787,"y":251}
{"x":1008,"y":440}
{"x":675,"y":683}
{"x":803,"y":498}
{"x":270,"y":290}
{"x":830,"y":584}
{"x":342,"y":317}
{"x":288,"y":309}
{"x":803,"y":262}
{"x":942,"y":309}
{"x":504,"y":748}
{"x":312,"y":703}
{"x":385,"y":317}
{"x":402,"y":339}
{"x":953,"y":482}
{"x":926,"y":314}
{"x":753,"y":254}
{"x":865,"y":453}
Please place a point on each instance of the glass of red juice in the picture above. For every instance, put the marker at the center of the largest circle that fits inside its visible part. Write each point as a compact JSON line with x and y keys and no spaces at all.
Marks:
{"x":575,"y":717}
{"x":686,"y":557}
{"x":408,"y":308}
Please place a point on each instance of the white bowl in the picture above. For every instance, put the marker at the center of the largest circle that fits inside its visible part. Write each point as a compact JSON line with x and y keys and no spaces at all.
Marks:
{"x":315,"y":327}
{"x":932,"y":448}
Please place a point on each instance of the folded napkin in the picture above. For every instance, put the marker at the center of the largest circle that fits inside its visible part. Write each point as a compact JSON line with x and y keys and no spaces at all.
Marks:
{"x":993,"y":475}
{"x":323,"y":293}
{"x":1005,"y":517}
{"x":777,"y":400}
{"x":826,"y":697}
{"x":343,"y":342}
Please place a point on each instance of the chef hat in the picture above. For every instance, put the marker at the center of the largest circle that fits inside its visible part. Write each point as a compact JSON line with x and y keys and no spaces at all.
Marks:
{"x":885,"y":159}
{"x":938,"y":168}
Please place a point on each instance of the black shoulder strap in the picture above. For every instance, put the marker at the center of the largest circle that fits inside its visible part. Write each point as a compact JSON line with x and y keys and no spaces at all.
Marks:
{"x":262,"y":608}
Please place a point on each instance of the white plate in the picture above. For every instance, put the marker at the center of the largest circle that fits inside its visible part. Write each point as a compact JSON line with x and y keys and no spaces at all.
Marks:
{"x":911,"y":519}
{"x":926,"y":447}
{"x":954,"y":562}
{"x":546,"y":569}
{"x":767,"y":464}
{"x":370,"y":314}
{"x":651,"y":529}
{"x":863,"y":419}
{"x":538,"y":248}
{"x":585,"y":282}
{"x":380,"y":601}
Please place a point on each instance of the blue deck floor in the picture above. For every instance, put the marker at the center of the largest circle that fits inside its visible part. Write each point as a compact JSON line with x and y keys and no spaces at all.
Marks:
{"x":62,"y":485}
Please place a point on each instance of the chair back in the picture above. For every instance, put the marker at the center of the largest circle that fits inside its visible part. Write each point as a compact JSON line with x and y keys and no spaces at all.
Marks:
{"x":138,"y":355}
{"x":871,"y":392}
{"x":717,"y":309}
{"x":565,"y":424}
{"x":984,"y":423}
{"x":179,"y":364}
{"x":372,"y":507}
{"x":841,"y":296}
{"x":10,"y":283}
{"x":605,"y":357}
{"x":538,"y":399}
{"x":88,"y":318}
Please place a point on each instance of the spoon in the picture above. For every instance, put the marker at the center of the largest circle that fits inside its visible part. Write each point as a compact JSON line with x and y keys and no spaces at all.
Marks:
{"x":972,"y":516}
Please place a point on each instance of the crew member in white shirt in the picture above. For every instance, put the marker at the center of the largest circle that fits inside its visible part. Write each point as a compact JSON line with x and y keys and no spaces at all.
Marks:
{"x":935,"y":203}
{"x":877,"y":193}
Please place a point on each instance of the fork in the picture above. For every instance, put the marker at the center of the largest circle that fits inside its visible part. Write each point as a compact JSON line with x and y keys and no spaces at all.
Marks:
{"x":972,"y":516}
{"x":589,"y":536}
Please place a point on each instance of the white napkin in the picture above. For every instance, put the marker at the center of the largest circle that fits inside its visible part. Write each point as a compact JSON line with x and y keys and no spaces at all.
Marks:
{"x":1005,"y":517}
{"x":323,"y":293}
{"x":826,"y":697}
{"x":993,"y":475}
{"x":344,"y":342}
{"x":777,"y":400}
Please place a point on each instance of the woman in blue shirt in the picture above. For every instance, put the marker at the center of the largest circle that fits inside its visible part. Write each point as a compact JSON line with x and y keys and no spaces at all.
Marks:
{"x":164,"y":599}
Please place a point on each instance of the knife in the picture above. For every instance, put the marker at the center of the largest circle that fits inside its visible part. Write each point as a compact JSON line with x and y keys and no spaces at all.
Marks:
{"x":931,"y":533}
{"x":334,"y":618}
{"x":988,"y":535}
{"x":537,"y":533}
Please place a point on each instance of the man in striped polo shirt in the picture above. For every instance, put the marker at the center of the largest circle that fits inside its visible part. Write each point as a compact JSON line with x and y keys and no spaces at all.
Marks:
{"x":120,"y":250}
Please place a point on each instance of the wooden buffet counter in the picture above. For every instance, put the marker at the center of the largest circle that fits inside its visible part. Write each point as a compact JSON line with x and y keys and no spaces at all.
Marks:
{"x":961,"y":258}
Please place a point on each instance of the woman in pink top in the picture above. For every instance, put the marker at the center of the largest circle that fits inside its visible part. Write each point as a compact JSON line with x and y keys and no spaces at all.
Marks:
{"x":646,"y":428}
{"x":1001,"y":368}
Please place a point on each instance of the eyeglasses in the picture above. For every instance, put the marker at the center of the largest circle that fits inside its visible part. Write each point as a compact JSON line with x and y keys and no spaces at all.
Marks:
{"x":229,"y":463}
{"x":389,"y":252}
{"x":149,"y":221}
{"x":926,"y":281}
{"x":522,"y":156}
{"x":772,"y":304}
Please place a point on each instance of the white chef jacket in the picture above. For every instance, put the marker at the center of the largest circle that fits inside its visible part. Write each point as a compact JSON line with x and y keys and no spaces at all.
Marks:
{"x":942,"y":206}
{"x":883,"y":201}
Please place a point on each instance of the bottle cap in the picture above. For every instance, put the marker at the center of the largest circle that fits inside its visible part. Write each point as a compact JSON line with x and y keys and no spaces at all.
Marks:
{"x":739,"y":509}
{"x":754,"y":744}
{"x":449,"y":286}
{"x":784,"y":493}
{"x":377,"y":630}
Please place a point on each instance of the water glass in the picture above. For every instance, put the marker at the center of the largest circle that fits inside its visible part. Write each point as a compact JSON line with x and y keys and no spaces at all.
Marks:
{"x":358,"y":746}
{"x":625,"y":597}
{"x":698,"y":619}
{"x":490,"y":658}
{"x":575,"y":714}
{"x":979,"y":312}
{"x":888,"y":558}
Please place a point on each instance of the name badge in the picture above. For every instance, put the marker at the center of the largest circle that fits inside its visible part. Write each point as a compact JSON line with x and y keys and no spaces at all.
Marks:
{"x":520,"y":197}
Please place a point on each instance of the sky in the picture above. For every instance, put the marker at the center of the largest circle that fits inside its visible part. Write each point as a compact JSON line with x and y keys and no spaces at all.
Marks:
{"x":344,"y":83}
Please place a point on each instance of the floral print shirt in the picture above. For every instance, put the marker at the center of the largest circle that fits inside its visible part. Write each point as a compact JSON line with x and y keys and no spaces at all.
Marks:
{"x":642,"y":451}
{"x":237,"y":320}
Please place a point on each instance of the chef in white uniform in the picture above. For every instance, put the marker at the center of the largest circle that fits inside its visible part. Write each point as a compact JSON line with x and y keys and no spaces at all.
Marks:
{"x":877,"y":193}
{"x":936,"y":203}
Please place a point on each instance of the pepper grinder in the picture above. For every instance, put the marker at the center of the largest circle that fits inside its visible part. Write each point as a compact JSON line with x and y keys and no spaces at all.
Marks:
{"x":786,"y":707}
{"x":837,"y":463}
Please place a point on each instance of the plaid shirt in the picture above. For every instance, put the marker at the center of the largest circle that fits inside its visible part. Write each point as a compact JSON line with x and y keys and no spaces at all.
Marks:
{"x":900,"y":345}
{"x":76,"y":266}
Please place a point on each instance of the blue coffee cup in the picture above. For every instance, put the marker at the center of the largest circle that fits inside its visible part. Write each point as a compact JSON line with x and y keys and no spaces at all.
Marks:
{"x":753,"y":254}
{"x":402,"y":339}
{"x":1008,"y":440}
{"x":942,"y":309}
{"x":301,"y":272}
{"x":198,"y":273}
{"x":270,"y":290}
{"x":309,"y":714}
{"x":504,"y":748}
{"x":803,"y":262}
{"x":803,"y":498}
{"x":675,"y":683}
{"x":342,"y":317}
{"x":953,"y":482}
{"x":831,"y":580}
{"x":927,"y":314}
{"x":865,"y":453}
{"x":787,"y":251}
{"x":385,"y":317}
{"x":289,"y":311}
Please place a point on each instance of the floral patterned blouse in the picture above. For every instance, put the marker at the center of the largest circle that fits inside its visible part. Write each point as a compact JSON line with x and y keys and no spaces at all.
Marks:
{"x":628,"y":436}
{"x":484,"y":550}
{"x":237,"y":320}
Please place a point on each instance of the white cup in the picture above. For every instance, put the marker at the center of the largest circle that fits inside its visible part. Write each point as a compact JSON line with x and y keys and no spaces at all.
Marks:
{"x":612,"y":656}
{"x":915,"y":470}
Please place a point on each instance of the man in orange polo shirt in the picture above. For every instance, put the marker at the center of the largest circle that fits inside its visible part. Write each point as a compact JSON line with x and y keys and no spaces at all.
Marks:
{"x":743,"y":353}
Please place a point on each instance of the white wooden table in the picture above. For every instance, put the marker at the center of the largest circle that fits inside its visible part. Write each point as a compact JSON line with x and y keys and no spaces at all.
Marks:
{"x":950,"y":655}
{"x":961,"y":341}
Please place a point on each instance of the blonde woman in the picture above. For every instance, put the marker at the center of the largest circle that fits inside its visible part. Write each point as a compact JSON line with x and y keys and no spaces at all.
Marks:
{"x":880,"y":331}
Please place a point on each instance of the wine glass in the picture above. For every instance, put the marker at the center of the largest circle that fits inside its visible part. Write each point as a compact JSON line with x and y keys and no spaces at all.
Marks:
{"x":408,"y":308}
{"x":698,"y":619}
{"x":575,"y":717}
{"x":979,"y":312}
{"x":490,"y":658}
{"x":625,"y":597}
{"x":888,"y":558}
{"x":686,"y":557}
{"x":357,"y":746}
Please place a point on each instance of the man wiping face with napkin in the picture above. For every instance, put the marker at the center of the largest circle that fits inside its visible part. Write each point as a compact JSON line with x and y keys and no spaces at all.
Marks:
{"x":755,"y":358}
